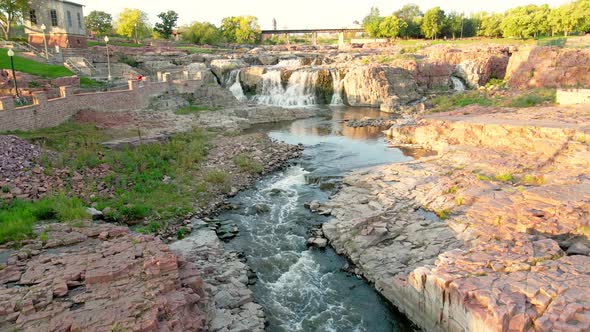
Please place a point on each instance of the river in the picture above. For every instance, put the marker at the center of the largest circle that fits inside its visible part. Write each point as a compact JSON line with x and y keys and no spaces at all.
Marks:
{"x":305,"y":289}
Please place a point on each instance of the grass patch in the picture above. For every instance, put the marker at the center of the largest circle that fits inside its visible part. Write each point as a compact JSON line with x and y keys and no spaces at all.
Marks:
{"x":451,"y":190}
{"x":532,"y":180}
{"x":483,"y":177}
{"x":136,"y":174}
{"x":18,"y":217}
{"x":191,"y":109}
{"x":246,"y":163}
{"x":33,"y":67}
{"x":443,"y":214}
{"x":533,"y":98}
{"x":448,"y":102}
{"x":504,"y":177}
{"x":89,"y":83}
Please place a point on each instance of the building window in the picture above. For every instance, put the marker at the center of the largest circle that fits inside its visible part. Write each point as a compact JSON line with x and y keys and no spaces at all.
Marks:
{"x":69,"y":16}
{"x":33,"y":16}
{"x":53,"y":14}
{"x":79,"y":21}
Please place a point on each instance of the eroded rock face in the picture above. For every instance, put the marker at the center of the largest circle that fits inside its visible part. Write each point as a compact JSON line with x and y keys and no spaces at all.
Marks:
{"x":549,"y":67}
{"x":476,"y":238}
{"x":99,"y":278}
{"x":251,"y":79}
{"x":222,"y":66}
{"x":375,"y":85}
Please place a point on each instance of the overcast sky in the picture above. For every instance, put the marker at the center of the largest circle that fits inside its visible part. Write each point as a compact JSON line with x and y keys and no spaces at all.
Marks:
{"x":293,"y":14}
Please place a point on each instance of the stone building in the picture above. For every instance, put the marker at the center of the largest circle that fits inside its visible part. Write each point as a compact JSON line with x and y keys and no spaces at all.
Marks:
{"x":64,"y":22}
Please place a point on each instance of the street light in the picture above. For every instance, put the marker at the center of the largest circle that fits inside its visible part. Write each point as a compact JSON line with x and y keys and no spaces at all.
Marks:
{"x":11,"y":55}
{"x":43,"y":27}
{"x":106,"y":41}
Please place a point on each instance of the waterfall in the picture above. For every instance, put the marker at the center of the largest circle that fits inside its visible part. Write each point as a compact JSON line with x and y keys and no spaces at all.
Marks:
{"x":338,"y":86}
{"x":234,"y":85}
{"x":289,"y":63}
{"x":300,"y":89}
{"x":458,"y":85}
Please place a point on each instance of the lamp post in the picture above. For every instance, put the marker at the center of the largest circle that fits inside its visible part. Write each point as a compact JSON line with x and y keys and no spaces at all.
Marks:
{"x":11,"y":56}
{"x":106,"y":41}
{"x":135,"y":27}
{"x":43,"y":27}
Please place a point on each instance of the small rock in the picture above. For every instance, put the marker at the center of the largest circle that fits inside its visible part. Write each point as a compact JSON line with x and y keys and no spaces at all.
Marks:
{"x":578,"y":248}
{"x":95,"y":214}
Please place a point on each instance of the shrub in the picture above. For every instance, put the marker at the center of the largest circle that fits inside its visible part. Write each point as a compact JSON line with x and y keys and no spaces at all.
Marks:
{"x":504,"y":177}
{"x":533,"y":98}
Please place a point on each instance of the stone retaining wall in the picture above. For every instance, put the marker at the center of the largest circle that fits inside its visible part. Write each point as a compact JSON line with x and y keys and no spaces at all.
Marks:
{"x":573,"y":96}
{"x":44,"y":112}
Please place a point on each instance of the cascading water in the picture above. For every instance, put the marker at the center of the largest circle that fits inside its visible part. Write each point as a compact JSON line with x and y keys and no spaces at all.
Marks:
{"x":458,"y":85}
{"x":338,"y":87}
{"x":299,"y":92}
{"x":234,"y":85}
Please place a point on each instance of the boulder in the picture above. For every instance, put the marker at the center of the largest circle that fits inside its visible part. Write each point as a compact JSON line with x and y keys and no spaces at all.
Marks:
{"x":374,"y":85}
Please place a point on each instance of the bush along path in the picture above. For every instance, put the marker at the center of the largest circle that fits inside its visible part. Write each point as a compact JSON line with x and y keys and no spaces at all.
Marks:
{"x":54,"y":174}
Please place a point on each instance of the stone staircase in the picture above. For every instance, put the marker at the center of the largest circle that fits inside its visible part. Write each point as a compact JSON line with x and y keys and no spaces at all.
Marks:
{"x":80,"y":66}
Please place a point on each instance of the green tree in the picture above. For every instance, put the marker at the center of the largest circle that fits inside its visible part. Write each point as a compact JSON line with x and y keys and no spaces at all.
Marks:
{"x":372,"y":22}
{"x":412,"y":15}
{"x":454,"y":24}
{"x":526,"y":21}
{"x":201,"y":33}
{"x":168,"y":23}
{"x":99,"y":22}
{"x":433,"y":22}
{"x":241,"y":29}
{"x":392,"y":27}
{"x":133,"y":24}
{"x":490,"y":25}
{"x":10,"y":11}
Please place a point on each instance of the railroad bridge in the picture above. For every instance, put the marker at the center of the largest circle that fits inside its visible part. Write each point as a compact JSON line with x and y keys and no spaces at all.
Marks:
{"x":314,"y":33}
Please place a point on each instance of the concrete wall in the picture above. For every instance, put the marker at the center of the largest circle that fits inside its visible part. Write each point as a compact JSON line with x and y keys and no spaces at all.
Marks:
{"x":46,"y":113}
{"x":573,"y":96}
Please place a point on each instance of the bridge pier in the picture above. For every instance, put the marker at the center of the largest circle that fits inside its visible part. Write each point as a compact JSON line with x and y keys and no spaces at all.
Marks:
{"x":341,"y":39}
{"x":314,"y":38}
{"x":288,"y":39}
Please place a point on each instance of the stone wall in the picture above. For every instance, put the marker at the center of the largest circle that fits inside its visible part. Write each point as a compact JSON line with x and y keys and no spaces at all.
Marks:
{"x":573,"y":96}
{"x":44,"y":112}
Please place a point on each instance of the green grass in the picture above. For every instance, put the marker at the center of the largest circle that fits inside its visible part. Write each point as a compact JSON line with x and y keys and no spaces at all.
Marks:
{"x":191,"y":109}
{"x":523,"y":99}
{"x":533,"y":98}
{"x":86,"y":82}
{"x":246,"y":163}
{"x":532,"y":180}
{"x":482,"y":177}
{"x":445,"y":103}
{"x":136,"y":173}
{"x":504,"y":177}
{"x":33,"y":67}
{"x":18,"y":217}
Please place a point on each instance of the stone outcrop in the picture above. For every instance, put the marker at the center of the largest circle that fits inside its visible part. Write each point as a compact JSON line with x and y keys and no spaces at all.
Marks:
{"x":549,"y":67}
{"x":490,"y":234}
{"x":222,"y":66}
{"x":251,"y":79}
{"x":377,"y":86}
{"x":226,"y":280}
{"x":99,"y":278}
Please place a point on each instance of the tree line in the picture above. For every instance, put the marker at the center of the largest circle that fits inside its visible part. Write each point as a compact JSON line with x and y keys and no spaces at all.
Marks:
{"x":134,"y":23}
{"x":532,"y":21}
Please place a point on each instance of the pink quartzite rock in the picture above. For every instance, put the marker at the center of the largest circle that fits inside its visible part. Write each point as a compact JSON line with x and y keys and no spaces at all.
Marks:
{"x":117,"y":281}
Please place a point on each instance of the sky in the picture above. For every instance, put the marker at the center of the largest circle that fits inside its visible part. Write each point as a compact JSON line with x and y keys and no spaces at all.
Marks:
{"x":294,"y":14}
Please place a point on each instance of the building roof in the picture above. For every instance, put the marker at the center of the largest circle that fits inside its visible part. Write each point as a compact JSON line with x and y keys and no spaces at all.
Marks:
{"x":72,"y":3}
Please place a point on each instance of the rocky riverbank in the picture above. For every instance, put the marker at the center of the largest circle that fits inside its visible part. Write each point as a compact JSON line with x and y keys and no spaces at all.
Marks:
{"x":490,"y":234}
